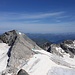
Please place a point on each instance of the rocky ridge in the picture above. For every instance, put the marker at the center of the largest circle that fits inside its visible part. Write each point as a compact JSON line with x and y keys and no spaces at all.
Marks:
{"x":67,"y":46}
{"x":24,"y":54}
{"x":20,"y":49}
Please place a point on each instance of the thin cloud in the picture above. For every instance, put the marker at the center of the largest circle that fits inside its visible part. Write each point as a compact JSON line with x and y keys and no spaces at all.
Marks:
{"x":17,"y":16}
{"x":35,"y":22}
{"x":32,"y":21}
{"x":43,"y":15}
{"x":60,"y":17}
{"x":41,"y":28}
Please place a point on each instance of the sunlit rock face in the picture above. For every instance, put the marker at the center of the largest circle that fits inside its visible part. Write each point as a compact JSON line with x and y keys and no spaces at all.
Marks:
{"x":20,"y":48}
{"x":19,"y":55}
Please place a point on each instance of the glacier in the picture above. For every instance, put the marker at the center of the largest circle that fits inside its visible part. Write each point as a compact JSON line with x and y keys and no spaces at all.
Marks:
{"x":44,"y":63}
{"x":27,"y":55}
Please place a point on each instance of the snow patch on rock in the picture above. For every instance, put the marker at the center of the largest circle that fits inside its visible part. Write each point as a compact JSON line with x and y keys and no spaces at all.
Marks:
{"x":3,"y":56}
{"x":20,"y":33}
{"x":44,"y":63}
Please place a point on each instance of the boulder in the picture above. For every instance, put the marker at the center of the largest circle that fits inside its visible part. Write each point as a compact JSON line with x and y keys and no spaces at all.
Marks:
{"x":22,"y":72}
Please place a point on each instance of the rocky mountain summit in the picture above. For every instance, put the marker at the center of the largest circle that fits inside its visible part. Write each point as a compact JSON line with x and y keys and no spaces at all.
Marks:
{"x":67,"y":46}
{"x":20,"y":48}
{"x":19,"y":55}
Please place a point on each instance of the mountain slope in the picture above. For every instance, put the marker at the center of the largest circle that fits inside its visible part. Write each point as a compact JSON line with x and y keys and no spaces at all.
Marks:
{"x":20,"y":49}
{"x":20,"y":55}
{"x":45,"y":63}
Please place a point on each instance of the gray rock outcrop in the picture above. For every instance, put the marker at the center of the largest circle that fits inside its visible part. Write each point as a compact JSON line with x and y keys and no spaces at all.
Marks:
{"x":20,"y":48}
{"x":67,"y":46}
{"x":9,"y":37}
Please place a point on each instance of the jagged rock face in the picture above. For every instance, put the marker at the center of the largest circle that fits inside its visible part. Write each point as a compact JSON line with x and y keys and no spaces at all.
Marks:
{"x":68,"y":42}
{"x":56,"y":49}
{"x":67,"y":46}
{"x":46,"y":46}
{"x":20,"y":49}
{"x":9,"y":37}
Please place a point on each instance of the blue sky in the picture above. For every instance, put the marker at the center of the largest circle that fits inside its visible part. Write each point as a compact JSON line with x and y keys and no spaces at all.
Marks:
{"x":37,"y":16}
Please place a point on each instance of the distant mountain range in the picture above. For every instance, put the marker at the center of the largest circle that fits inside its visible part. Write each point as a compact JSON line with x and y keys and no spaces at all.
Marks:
{"x":54,"y":38}
{"x":19,"y":55}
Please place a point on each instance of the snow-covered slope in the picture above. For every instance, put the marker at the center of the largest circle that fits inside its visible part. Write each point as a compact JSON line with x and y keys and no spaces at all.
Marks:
{"x":20,"y":50}
{"x":3,"y":56}
{"x":23,"y":53}
{"x":44,"y":63}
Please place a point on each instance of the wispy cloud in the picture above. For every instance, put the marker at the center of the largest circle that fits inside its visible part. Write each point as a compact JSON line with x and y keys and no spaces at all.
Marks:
{"x":16,"y":16}
{"x":35,"y":17}
{"x":63,"y":16}
{"x":43,"y":15}
{"x":37,"y":22}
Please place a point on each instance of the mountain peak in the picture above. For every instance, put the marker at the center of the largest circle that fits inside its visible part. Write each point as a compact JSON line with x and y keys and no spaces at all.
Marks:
{"x":20,"y":47}
{"x":9,"y":37}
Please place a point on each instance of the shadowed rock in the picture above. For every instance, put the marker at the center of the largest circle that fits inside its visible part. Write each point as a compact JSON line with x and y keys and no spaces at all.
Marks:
{"x":46,"y":46}
{"x":22,"y":72}
{"x":1,"y":41}
{"x":9,"y":37}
